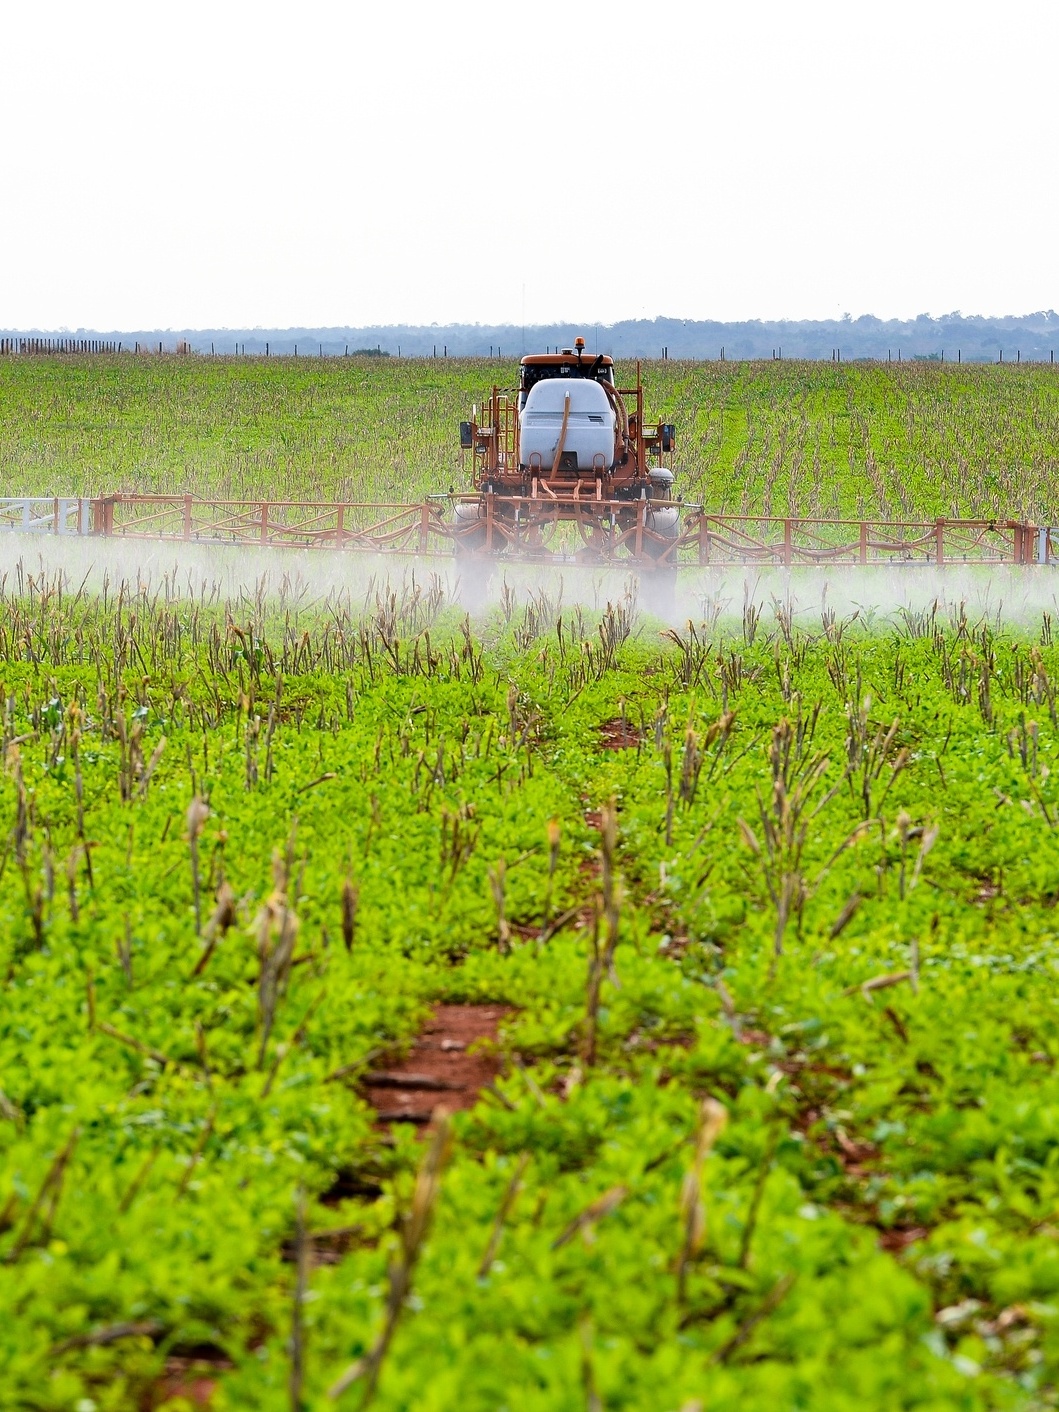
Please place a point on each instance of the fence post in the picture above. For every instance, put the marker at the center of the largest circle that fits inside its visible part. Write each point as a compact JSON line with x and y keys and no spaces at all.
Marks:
{"x":187,"y":516}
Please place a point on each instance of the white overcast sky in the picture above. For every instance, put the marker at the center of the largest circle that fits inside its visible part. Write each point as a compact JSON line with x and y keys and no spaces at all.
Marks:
{"x":255,"y":164}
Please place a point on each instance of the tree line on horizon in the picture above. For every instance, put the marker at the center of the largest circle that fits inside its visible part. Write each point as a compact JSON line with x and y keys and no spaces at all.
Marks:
{"x":971,"y":338}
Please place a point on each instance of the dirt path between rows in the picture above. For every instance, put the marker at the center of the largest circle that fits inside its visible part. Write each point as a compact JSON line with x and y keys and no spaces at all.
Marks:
{"x":440,"y":1069}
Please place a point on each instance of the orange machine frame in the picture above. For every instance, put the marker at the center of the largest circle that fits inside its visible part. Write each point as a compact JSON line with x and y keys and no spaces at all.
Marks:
{"x":493,"y":435}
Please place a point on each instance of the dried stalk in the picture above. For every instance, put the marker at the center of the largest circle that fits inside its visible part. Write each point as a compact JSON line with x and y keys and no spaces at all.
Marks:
{"x":302,"y":1252}
{"x":133,"y":1043}
{"x":51,"y":1185}
{"x":414,"y":1233}
{"x":765,"y":1167}
{"x":712,"y":1119}
{"x":110,"y":1333}
{"x":142,"y":1173}
{"x":221,"y":921}
{"x":193,"y":1161}
{"x":277,"y":931}
{"x":152,"y":765}
{"x":593,"y":1212}
{"x":602,"y":962}
{"x":785,"y":828}
{"x":554,"y":839}
{"x":71,"y":880}
{"x":124,"y":949}
{"x":507,"y":1204}
{"x":198,"y":813}
{"x":350,"y":900}
{"x":593,"y":1401}
{"x":296,"y":1038}
{"x":497,"y":885}
{"x":772,"y":1300}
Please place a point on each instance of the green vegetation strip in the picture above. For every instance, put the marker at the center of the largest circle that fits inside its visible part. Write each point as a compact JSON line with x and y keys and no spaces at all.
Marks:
{"x":862,"y":441}
{"x":771,"y":907}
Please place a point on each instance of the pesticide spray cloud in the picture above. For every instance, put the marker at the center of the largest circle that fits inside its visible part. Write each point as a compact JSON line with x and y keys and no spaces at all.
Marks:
{"x":878,"y":596}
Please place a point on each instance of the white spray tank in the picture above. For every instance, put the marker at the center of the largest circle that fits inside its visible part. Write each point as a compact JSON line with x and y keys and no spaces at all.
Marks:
{"x":590,"y":426}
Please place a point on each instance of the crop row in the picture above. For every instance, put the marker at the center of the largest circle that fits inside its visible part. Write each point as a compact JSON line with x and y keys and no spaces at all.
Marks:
{"x":771,"y":908}
{"x":857,"y":440}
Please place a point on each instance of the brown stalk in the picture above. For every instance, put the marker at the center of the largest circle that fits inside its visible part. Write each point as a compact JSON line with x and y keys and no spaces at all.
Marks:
{"x":846,"y":915}
{"x":124,"y":949}
{"x":593,"y":1401}
{"x":750,"y":1224}
{"x":111,"y":1333}
{"x":593,"y":1212}
{"x":11,"y":1111}
{"x":21,"y":830}
{"x":786,"y":826}
{"x":71,"y":880}
{"x":198,"y":813}
{"x":222,"y":919}
{"x":879,"y":983}
{"x":284,"y":1049}
{"x":595,"y":986}
{"x":52,"y":1184}
{"x":350,"y":899}
{"x":142,"y":1173}
{"x":414,"y":1233}
{"x":193,"y":1161}
{"x":302,"y":1256}
{"x":554,"y":839}
{"x":608,"y":910}
{"x":90,"y":996}
{"x":277,"y":932}
{"x":133,"y":1043}
{"x":712,"y":1119}
{"x":497,"y":885}
{"x":772,"y":1300}
{"x":507,"y":1203}
{"x":667,"y":760}
{"x":152,"y":765}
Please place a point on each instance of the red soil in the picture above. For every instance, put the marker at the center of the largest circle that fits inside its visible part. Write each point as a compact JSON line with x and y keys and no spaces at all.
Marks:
{"x":440,"y":1070}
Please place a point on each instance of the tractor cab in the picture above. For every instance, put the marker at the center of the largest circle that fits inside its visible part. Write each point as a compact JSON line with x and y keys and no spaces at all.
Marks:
{"x":568,"y":363}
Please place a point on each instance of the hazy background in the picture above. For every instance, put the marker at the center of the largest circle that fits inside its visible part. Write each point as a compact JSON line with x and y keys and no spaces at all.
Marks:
{"x":237,"y":165}
{"x":949,"y":338}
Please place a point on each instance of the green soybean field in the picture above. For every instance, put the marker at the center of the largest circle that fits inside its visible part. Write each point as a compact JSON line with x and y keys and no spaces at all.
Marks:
{"x":551,"y":1007}
{"x":859,"y":440}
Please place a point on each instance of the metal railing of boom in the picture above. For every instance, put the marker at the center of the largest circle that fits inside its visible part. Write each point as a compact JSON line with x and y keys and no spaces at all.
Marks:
{"x":46,"y":514}
{"x":561,"y":527}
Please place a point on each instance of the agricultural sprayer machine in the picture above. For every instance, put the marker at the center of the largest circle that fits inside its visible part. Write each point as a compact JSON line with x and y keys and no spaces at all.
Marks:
{"x":571,"y":448}
{"x":563,"y":468}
